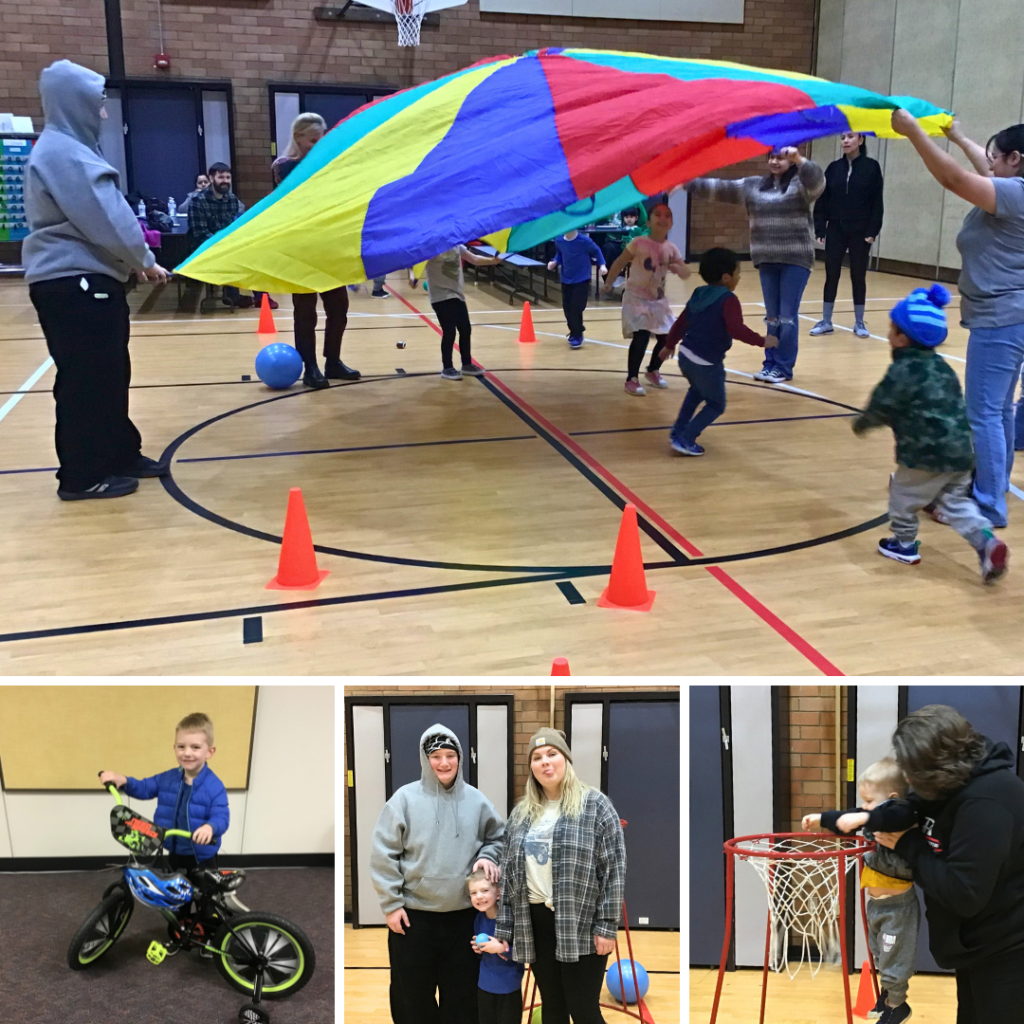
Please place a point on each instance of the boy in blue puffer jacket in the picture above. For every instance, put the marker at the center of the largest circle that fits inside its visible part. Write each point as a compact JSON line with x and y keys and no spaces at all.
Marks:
{"x":189,"y":797}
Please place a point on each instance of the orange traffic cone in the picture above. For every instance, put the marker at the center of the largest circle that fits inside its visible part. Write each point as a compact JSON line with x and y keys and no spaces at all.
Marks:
{"x":296,"y":568}
{"x":628,"y":587}
{"x":865,"y":994}
{"x":560,"y":667}
{"x":266,"y":324}
{"x":526,"y":332}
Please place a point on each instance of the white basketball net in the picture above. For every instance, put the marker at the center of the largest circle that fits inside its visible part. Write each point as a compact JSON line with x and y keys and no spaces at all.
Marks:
{"x":803,"y":898}
{"x":409,"y":15}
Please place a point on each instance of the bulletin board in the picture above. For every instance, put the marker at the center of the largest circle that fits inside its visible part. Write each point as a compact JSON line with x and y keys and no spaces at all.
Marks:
{"x":60,"y":737}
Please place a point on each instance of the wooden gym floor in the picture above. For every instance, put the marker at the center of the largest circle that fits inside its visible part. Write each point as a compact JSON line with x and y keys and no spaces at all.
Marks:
{"x":807,"y":1000}
{"x":367,"y":976}
{"x":451,"y":511}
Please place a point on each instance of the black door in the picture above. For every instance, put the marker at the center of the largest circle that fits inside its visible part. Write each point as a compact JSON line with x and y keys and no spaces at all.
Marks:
{"x":164,"y":140}
{"x":643,"y":784}
{"x":995,"y":712}
{"x":334,"y":107}
{"x":408,"y":723}
{"x":707,"y":827}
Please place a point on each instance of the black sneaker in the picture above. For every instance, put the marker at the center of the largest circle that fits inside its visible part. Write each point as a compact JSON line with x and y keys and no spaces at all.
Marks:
{"x":335,"y":369}
{"x":314,"y":379}
{"x":896,"y":1014}
{"x":109,"y":487}
{"x":144,"y":468}
{"x":880,"y":1006}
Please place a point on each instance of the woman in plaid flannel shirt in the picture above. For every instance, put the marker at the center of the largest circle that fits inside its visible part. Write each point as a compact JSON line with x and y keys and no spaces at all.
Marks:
{"x":563,"y":876}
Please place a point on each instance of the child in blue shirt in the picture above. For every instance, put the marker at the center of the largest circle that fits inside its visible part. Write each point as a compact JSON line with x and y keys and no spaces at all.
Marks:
{"x":499,"y":994}
{"x":573,"y":255}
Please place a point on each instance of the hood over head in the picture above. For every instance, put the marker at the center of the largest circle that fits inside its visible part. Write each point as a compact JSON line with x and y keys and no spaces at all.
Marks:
{"x":72,"y":98}
{"x":428,"y":776}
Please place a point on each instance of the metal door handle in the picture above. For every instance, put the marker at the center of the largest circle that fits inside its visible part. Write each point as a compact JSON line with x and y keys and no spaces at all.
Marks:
{"x":725,"y":739}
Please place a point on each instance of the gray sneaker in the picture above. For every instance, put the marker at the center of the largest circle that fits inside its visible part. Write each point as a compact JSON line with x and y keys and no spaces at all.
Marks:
{"x":860,"y":330}
{"x":472,"y":371}
{"x":450,"y":373}
{"x":822,"y":327}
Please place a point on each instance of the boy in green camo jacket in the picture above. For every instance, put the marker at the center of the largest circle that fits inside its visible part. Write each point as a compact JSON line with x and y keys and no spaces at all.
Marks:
{"x":921,"y":400}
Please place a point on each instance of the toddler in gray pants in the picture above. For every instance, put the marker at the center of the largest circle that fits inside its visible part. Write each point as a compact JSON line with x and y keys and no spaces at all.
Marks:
{"x":893,"y":912}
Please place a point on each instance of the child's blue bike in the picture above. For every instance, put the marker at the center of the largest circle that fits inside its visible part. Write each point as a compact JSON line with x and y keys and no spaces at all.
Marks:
{"x":261,"y":955}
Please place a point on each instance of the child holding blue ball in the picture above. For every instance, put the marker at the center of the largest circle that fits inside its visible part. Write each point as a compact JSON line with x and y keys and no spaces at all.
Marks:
{"x":499,"y":994}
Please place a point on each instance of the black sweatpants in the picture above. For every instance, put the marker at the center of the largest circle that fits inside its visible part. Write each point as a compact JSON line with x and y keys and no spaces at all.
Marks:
{"x":574,"y":302}
{"x":434,"y":953}
{"x":637,"y":348}
{"x":336,"y":307}
{"x":992,"y":990}
{"x":565,"y":988}
{"x":837,"y":241}
{"x":453,"y":315}
{"x":187,"y":861}
{"x":500,"y":1008}
{"x":86,"y":332}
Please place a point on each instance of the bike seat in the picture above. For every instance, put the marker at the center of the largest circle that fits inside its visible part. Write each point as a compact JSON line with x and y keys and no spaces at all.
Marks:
{"x":217,"y":879}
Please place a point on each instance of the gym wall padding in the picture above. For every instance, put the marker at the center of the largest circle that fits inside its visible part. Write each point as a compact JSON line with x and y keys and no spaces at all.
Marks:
{"x":59,"y":737}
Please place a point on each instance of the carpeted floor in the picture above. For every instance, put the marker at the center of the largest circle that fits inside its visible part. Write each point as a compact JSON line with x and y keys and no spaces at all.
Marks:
{"x":40,"y":913}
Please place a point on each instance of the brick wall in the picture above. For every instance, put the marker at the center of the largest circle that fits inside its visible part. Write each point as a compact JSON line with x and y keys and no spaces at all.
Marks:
{"x":254,"y":42}
{"x":813,"y":749}
{"x":531,"y":712}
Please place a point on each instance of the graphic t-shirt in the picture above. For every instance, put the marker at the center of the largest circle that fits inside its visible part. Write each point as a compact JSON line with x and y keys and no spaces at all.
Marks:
{"x":649,"y":268}
{"x":444,"y":276}
{"x":537,"y":848}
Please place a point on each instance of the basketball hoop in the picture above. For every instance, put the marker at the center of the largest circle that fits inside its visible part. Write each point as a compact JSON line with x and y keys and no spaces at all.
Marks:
{"x":409,"y":15}
{"x":805,"y":877}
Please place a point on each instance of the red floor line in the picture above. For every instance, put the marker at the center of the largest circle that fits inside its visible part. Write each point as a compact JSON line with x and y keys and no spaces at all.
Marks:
{"x":766,"y":615}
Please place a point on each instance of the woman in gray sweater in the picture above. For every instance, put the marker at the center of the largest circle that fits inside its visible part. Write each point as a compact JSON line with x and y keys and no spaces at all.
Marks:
{"x":781,"y":243}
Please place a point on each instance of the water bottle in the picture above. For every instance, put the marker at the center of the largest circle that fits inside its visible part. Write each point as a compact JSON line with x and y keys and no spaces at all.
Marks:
{"x":142,"y":210}
{"x":172,"y":207}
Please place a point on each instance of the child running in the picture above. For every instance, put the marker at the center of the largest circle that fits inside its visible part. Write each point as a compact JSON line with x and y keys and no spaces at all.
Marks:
{"x":573,"y":255}
{"x":705,"y":331}
{"x":921,"y":400}
{"x":499,"y":995}
{"x":645,"y":309}
{"x":447,"y":283}
{"x":892,"y":909}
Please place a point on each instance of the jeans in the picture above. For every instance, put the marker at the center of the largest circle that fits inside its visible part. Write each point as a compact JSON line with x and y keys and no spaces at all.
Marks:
{"x":574,"y":302}
{"x":994,"y":356}
{"x":782,"y":285}
{"x":707,"y":385}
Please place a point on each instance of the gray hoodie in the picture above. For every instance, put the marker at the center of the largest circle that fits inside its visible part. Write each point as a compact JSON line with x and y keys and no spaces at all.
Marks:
{"x":427,"y":840}
{"x":79,"y":221}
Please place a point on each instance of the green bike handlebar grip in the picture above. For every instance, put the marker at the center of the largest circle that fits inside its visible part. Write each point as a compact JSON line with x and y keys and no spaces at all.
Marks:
{"x":112,"y":789}
{"x":177,"y":832}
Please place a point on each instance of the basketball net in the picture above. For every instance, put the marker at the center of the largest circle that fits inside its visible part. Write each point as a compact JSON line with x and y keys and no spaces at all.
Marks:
{"x":409,"y":15}
{"x":803,"y":898}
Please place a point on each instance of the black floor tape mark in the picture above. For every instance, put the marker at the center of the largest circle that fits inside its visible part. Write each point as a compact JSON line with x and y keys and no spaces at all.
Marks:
{"x":252,"y":630}
{"x":572,"y":595}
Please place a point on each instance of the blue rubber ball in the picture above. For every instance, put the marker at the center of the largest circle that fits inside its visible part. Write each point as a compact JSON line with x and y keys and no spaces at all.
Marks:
{"x":615,"y":987}
{"x":279,"y":366}
{"x":482,"y":939}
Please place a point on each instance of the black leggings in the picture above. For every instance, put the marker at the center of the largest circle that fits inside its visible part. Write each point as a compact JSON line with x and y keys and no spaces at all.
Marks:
{"x":453,"y":316}
{"x":837,"y":241}
{"x":637,"y":350}
{"x":336,"y":307}
{"x":500,"y":1009}
{"x":565,"y":988}
{"x":992,"y":990}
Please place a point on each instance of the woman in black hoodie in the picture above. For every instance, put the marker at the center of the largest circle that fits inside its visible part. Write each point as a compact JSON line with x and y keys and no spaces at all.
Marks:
{"x":848,"y":216}
{"x":967,"y":854}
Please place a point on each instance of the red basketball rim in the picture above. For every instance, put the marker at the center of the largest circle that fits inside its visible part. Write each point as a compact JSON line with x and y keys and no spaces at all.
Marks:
{"x":848,"y":846}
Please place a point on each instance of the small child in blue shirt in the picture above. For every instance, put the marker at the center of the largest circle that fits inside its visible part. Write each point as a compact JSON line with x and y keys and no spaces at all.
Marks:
{"x":573,"y":255}
{"x":499,"y":994}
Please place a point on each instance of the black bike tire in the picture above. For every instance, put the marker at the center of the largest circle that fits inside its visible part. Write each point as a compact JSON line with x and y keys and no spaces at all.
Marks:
{"x":294,"y":933}
{"x":104,"y":908}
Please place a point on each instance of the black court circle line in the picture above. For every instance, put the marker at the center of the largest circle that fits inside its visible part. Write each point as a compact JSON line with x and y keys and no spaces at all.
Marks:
{"x":172,"y":487}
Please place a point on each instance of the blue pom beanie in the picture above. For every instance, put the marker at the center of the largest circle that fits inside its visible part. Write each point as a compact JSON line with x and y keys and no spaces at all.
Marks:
{"x":919,"y":316}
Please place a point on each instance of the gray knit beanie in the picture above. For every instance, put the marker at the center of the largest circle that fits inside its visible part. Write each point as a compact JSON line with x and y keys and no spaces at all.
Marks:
{"x":548,"y":738}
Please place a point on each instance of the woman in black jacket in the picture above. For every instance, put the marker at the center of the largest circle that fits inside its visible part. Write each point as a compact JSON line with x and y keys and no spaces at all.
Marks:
{"x":967,"y":855}
{"x":848,"y":215}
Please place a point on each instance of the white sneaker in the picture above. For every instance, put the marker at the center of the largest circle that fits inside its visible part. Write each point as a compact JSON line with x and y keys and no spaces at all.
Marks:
{"x":764,"y":375}
{"x":822,"y":327}
{"x":774,"y":377}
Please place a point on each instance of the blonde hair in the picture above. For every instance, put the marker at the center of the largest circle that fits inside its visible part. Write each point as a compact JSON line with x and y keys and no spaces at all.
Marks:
{"x":196,"y":722}
{"x":886,"y":776}
{"x":480,"y":876}
{"x":534,"y":800}
{"x":300,"y":126}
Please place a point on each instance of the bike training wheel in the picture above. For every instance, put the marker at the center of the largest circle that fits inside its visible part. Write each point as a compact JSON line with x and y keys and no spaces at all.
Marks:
{"x":100,"y":930}
{"x":244,"y":937}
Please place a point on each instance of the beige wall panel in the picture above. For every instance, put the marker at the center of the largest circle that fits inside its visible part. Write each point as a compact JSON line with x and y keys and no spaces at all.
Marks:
{"x":867,"y":43}
{"x":986,"y":88}
{"x":830,"y":65}
{"x":921,"y":67}
{"x":5,"y":834}
{"x":59,"y":737}
{"x":291,"y":790}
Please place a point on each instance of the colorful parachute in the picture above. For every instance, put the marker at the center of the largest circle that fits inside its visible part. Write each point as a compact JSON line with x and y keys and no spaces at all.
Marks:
{"x":521,"y":149}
